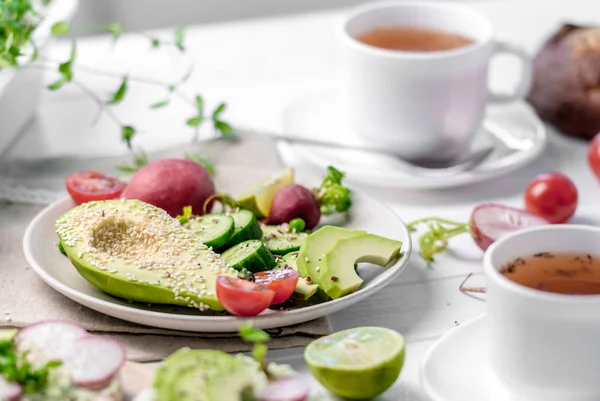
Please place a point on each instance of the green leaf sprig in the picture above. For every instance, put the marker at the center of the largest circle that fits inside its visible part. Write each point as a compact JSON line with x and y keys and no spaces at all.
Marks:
{"x":259,"y":338}
{"x":19,"y":19}
{"x":332,"y":195}
{"x":16,"y":368}
{"x":439,"y":231}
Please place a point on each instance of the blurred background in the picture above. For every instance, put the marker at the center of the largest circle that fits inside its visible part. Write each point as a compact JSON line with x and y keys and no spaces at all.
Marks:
{"x":148,"y":14}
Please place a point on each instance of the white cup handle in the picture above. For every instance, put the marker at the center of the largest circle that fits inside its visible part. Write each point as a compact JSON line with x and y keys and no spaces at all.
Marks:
{"x":523,"y":86}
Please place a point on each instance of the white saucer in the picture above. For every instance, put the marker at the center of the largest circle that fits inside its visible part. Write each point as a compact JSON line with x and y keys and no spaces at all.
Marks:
{"x":455,"y":368}
{"x":321,"y":116}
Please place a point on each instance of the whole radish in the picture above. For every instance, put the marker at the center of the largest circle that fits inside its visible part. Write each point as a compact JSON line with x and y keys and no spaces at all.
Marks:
{"x":172,"y":184}
{"x":293,"y":201}
{"x":297,"y":202}
{"x":488,"y":223}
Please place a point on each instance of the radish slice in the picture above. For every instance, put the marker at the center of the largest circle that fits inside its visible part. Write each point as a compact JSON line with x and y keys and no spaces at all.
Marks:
{"x":49,"y":340}
{"x":94,"y":361}
{"x":490,"y":222}
{"x":286,"y":389}
{"x":9,"y":391}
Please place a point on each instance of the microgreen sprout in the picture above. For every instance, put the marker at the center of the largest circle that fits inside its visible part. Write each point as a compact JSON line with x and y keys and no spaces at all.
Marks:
{"x":258,"y":338}
{"x":439,"y":231}
{"x":185,"y":217}
{"x":332,"y":195}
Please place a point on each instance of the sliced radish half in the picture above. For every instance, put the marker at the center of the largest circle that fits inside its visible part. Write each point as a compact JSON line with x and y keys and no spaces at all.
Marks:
{"x":94,"y":361}
{"x":9,"y":391}
{"x":49,"y":340}
{"x":286,"y":389}
{"x":490,"y":222}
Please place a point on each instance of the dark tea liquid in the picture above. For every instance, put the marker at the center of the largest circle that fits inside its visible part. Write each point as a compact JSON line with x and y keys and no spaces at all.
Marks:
{"x":413,"y":39}
{"x":564,"y":273}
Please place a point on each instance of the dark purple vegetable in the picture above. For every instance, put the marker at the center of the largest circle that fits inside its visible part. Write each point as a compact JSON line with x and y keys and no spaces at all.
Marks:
{"x":565,"y":89}
{"x":293,"y":201}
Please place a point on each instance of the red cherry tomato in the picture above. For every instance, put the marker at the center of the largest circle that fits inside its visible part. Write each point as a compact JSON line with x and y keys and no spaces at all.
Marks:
{"x":552,"y":196}
{"x":87,"y":186}
{"x":282,"y":281}
{"x":594,"y":155}
{"x":242,"y":297}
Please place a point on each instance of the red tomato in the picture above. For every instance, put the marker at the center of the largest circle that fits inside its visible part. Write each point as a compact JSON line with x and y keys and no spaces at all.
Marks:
{"x":594,"y":155}
{"x":87,"y":186}
{"x":242,"y":297}
{"x":282,"y":281}
{"x":552,"y":196}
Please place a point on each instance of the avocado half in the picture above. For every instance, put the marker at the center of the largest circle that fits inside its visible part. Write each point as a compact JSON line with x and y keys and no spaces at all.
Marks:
{"x":136,"y":251}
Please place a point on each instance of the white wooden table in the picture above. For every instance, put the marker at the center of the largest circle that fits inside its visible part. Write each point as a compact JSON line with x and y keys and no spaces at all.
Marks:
{"x":261,"y":65}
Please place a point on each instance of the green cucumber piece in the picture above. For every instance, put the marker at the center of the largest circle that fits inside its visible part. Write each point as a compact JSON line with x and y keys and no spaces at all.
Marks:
{"x":280,"y":241}
{"x":304,"y":288}
{"x":212,"y":229}
{"x":245,"y":228}
{"x":251,"y":255}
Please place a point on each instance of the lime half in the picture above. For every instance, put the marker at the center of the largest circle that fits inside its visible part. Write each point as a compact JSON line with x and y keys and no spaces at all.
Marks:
{"x":258,"y":199}
{"x":358,"y":363}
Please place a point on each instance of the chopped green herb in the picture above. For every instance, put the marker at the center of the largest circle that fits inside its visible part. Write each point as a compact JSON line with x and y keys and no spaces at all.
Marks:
{"x":16,"y":368}
{"x":185,"y":217}
{"x":332,"y":195}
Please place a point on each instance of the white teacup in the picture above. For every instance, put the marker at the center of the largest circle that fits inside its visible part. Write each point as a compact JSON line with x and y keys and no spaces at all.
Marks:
{"x":544,"y":346}
{"x":426,"y":105}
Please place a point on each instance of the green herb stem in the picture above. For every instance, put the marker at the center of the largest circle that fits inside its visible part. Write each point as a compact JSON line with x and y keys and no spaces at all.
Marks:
{"x":439,"y":231}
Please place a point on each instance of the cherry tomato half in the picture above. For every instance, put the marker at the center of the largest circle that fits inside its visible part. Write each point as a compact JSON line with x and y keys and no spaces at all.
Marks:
{"x":594,"y":155}
{"x":552,"y":196}
{"x":87,"y":186}
{"x":242,"y":297}
{"x":282,"y":281}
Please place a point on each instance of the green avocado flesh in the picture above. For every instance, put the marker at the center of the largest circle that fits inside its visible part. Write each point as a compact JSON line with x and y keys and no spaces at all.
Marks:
{"x":206,"y":375}
{"x":316,"y":245}
{"x":337,"y":274}
{"x":136,"y":251}
{"x":304,"y":289}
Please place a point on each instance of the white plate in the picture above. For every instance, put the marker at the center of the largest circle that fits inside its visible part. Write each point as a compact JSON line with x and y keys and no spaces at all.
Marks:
{"x":40,"y":247}
{"x":456,"y":367}
{"x":321,"y":116}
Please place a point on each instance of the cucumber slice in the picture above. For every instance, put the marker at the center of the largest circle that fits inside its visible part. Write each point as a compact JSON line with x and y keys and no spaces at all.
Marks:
{"x":304,"y":288}
{"x":212,"y":229}
{"x":280,"y":241}
{"x":245,"y":228}
{"x":251,"y":255}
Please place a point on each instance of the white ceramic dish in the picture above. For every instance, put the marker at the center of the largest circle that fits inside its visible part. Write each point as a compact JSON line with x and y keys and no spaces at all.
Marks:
{"x":321,"y":116}
{"x":40,"y":247}
{"x":456,"y":367}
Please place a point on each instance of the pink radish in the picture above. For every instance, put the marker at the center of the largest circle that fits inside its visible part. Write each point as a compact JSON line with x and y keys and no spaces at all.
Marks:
{"x":285,"y":389}
{"x":94,"y":361}
{"x":488,"y":223}
{"x":491,"y":222}
{"x":49,"y":340}
{"x":9,"y":391}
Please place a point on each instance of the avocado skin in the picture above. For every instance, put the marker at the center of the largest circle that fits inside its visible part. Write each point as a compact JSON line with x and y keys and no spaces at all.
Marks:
{"x":151,"y":286}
